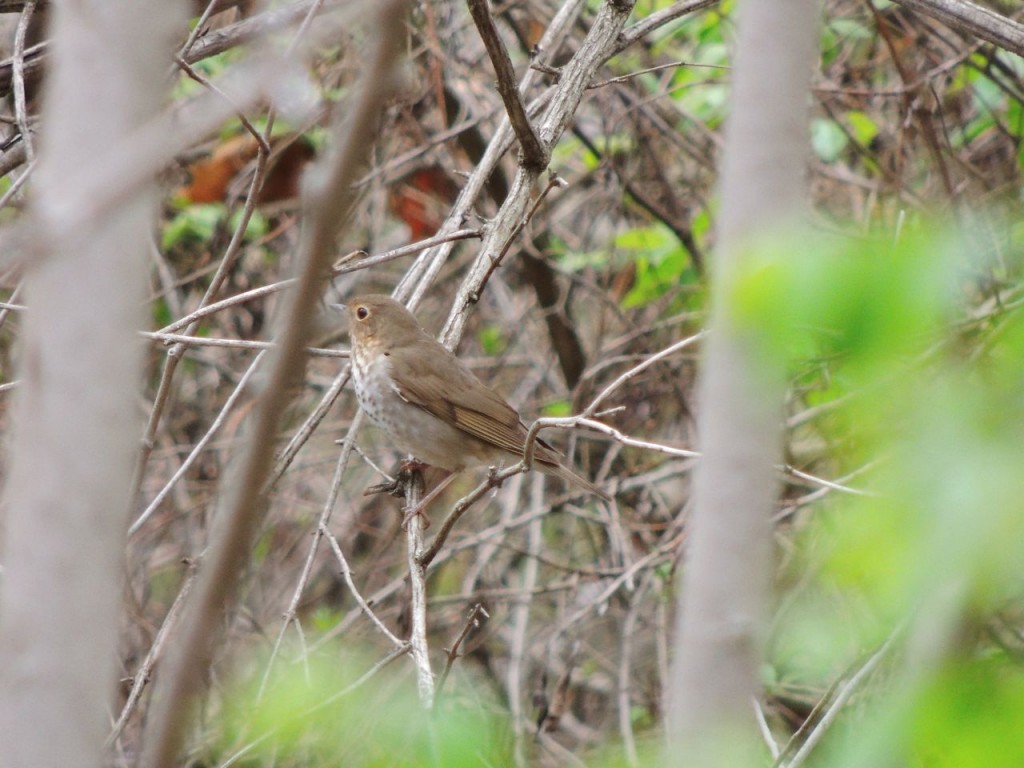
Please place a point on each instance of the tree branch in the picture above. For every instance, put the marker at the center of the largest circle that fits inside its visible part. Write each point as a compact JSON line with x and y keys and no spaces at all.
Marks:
{"x":535,"y":155}
{"x":66,"y":494}
{"x":418,"y":648}
{"x":575,"y":77}
{"x":728,"y":573}
{"x":973,"y":19}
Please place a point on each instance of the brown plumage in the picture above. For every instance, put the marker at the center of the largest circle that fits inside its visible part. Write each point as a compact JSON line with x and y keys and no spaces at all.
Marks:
{"x":429,"y":403}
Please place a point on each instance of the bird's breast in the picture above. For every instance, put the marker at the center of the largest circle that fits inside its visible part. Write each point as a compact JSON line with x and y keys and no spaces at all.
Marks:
{"x":376,"y":391}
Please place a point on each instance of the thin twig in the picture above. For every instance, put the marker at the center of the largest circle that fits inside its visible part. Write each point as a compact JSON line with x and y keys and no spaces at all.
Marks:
{"x":623,"y":682}
{"x":346,"y":265}
{"x":766,"y":732}
{"x":199,"y":28}
{"x":346,"y":573}
{"x":472,"y":622}
{"x":303,"y":433}
{"x":145,"y":671}
{"x":844,"y":694}
{"x":321,"y":530}
{"x":555,"y":182}
{"x":571,"y":422}
{"x":535,"y":154}
{"x":591,"y":409}
{"x":649,"y":70}
{"x":657,"y":20}
{"x":974,"y":19}
{"x":790,"y":470}
{"x":200,"y":445}
{"x":568,"y":93}
{"x":16,"y":186}
{"x":189,"y":70}
{"x":494,"y":480}
{"x":18,"y":79}
{"x":520,"y":625}
{"x":175,"y":354}
{"x":206,"y":341}
{"x":427,"y":267}
{"x":218,"y":306}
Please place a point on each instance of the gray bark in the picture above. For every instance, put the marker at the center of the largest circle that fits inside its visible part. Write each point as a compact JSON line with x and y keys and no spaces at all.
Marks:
{"x":728,"y":571}
{"x":75,"y":425}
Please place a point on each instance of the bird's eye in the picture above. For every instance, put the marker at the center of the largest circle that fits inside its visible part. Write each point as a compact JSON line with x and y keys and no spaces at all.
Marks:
{"x":362,"y":313}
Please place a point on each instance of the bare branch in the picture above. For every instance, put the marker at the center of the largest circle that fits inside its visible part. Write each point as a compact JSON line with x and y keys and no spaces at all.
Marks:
{"x":18,"y":76}
{"x":145,"y":671}
{"x":535,"y":154}
{"x":836,"y":707}
{"x":198,"y":448}
{"x":418,"y":648}
{"x":973,"y":19}
{"x":575,"y":77}
{"x":472,"y":622}
{"x":494,"y":480}
{"x":724,"y":604}
{"x":206,"y":341}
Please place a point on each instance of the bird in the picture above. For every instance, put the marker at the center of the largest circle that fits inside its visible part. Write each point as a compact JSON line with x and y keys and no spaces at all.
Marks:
{"x":429,"y":404}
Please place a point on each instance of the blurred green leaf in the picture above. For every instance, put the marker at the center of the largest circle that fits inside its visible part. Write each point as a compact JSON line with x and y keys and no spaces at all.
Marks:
{"x":864,"y":128}
{"x":492,"y":340}
{"x":256,"y":227}
{"x":161,"y":314}
{"x":936,"y":539}
{"x":192,"y":223}
{"x":870,"y":301}
{"x":313,"y":712}
{"x":558,"y":409}
{"x":661,"y":263}
{"x":828,"y":139}
{"x":970,"y":716}
{"x":851,"y":28}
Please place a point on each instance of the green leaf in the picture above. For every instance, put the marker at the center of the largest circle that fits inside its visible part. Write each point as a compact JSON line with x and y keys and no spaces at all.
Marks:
{"x":969,"y":716}
{"x":193,"y":223}
{"x":862,"y":126}
{"x":256,"y":227}
{"x":828,"y":139}
{"x":660,"y":261}
{"x":305,"y":716}
{"x":558,"y":409}
{"x":492,"y":340}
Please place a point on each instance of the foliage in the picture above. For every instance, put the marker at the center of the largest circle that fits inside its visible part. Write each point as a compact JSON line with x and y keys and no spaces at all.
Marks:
{"x":923,"y":392}
{"x":316,"y":711}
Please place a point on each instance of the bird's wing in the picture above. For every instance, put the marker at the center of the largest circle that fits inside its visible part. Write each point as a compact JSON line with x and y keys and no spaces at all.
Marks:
{"x":444,"y":387}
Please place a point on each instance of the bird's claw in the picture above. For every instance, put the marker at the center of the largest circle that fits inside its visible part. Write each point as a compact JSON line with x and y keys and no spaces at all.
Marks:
{"x":396,"y":487}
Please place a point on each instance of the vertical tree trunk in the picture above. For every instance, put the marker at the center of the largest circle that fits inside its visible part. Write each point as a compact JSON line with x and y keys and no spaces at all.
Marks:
{"x":726,"y":581}
{"x":75,"y":425}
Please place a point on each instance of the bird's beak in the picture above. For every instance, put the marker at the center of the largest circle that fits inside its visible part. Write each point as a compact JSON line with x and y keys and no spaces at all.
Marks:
{"x":338,"y":307}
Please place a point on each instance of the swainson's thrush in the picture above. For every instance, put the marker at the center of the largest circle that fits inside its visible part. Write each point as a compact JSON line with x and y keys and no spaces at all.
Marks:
{"x":429,"y":403}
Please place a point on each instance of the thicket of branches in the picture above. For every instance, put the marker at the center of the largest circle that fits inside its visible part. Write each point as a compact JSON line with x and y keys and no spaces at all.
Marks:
{"x":575,"y":286}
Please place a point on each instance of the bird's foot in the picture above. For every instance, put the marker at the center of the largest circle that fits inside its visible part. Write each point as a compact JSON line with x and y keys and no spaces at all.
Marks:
{"x":394,"y":487}
{"x":397,"y":485}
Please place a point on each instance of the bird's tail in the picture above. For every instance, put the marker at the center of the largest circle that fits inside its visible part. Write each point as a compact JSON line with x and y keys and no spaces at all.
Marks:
{"x":562,"y":471}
